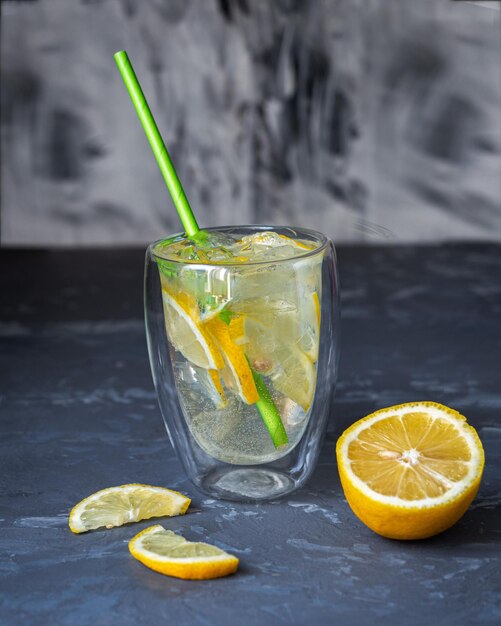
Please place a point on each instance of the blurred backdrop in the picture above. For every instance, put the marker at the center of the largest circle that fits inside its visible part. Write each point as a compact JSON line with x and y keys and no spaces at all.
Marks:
{"x":371,"y":120}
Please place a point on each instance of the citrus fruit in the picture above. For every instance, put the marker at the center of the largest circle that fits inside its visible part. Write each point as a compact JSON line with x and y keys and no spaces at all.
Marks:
{"x":276,"y":351}
{"x":295,"y":375}
{"x":302,"y":326}
{"x":310,"y":329}
{"x":271,"y":240}
{"x":116,"y":506}
{"x":168,"y":553}
{"x":265,"y":323}
{"x":187,"y":333}
{"x":237,"y":371}
{"x":210,"y":381}
{"x":296,"y":243}
{"x":410,"y":471}
{"x":257,"y":340}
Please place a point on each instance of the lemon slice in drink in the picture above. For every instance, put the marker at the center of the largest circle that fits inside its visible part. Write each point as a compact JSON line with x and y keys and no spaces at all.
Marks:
{"x":301,"y":326}
{"x":296,"y":375}
{"x":410,"y":471}
{"x":237,"y":371}
{"x":211,"y":383}
{"x":263,"y":324}
{"x":187,"y":333}
{"x":168,"y":553}
{"x":269,"y":239}
{"x":236,"y":328}
{"x":257,"y":340}
{"x":296,"y":243}
{"x":277,"y":351}
{"x":116,"y":506}
{"x":309,"y":327}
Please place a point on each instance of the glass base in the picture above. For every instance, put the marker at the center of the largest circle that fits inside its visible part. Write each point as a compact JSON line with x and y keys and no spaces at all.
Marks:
{"x":247,"y":484}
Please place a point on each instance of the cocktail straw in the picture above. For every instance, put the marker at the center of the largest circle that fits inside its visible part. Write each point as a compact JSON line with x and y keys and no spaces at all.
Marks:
{"x":265,"y":404}
{"x":157,"y":144}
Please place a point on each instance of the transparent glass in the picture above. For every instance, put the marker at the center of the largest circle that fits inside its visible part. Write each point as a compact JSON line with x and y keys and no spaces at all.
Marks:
{"x":232,"y":342}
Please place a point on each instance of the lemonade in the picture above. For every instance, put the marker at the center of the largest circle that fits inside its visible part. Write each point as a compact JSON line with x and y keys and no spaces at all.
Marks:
{"x":233,"y":331}
{"x":242,"y":318}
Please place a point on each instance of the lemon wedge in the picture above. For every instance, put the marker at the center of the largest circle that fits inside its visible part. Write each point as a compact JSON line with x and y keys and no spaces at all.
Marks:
{"x":410,"y":471}
{"x":237,"y":372}
{"x":116,"y":506}
{"x":168,"y":553}
{"x":187,"y":333}
{"x":296,"y":243}
{"x":296,"y":375}
{"x":276,"y":351}
{"x":210,"y":381}
{"x":309,"y":338}
{"x":258,"y":341}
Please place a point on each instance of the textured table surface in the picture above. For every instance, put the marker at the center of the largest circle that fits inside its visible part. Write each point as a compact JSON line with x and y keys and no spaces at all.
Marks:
{"x":78,"y":413}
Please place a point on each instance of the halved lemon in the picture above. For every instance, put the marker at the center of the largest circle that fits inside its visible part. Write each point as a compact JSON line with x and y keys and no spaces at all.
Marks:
{"x":237,"y":371}
{"x":410,"y":471}
{"x":168,"y":553}
{"x":116,"y":506}
{"x":187,"y":333}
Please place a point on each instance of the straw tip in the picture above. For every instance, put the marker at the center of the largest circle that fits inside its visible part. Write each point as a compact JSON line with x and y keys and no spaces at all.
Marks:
{"x":120,"y":54}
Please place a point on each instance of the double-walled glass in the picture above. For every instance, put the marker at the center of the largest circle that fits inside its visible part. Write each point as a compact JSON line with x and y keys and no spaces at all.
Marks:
{"x":218,"y":333}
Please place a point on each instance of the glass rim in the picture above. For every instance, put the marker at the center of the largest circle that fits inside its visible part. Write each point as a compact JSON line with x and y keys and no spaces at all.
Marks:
{"x":320,"y":239}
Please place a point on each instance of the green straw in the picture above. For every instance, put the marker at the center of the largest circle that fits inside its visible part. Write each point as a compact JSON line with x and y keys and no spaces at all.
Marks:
{"x":157,"y":144}
{"x":269,"y":412}
{"x":265,"y":405}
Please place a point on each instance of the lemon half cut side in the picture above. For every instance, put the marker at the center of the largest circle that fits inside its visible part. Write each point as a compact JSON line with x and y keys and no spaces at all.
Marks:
{"x":171,"y":554}
{"x":410,"y":471}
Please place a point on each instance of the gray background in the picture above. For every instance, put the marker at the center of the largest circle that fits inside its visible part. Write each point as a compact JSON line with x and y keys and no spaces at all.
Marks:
{"x":372,"y":120}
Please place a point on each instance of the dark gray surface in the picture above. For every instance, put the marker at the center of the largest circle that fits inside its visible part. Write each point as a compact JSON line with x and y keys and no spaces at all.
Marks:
{"x":78,"y":413}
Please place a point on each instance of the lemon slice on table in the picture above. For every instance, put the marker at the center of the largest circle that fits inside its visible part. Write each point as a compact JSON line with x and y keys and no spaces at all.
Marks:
{"x":116,"y":506}
{"x":187,"y":333}
{"x":168,"y":553}
{"x":410,"y":471}
{"x":237,"y":371}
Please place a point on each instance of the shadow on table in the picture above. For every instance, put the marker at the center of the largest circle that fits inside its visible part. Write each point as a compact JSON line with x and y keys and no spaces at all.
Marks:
{"x":480,"y":525}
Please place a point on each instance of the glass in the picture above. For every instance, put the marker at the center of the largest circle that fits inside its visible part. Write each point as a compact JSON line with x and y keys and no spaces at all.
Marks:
{"x":220,"y":332}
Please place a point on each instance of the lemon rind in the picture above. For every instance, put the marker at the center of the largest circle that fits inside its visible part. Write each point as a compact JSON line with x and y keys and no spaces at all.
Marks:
{"x":213,"y":357}
{"x":139,"y":552}
{"x":74,"y":516}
